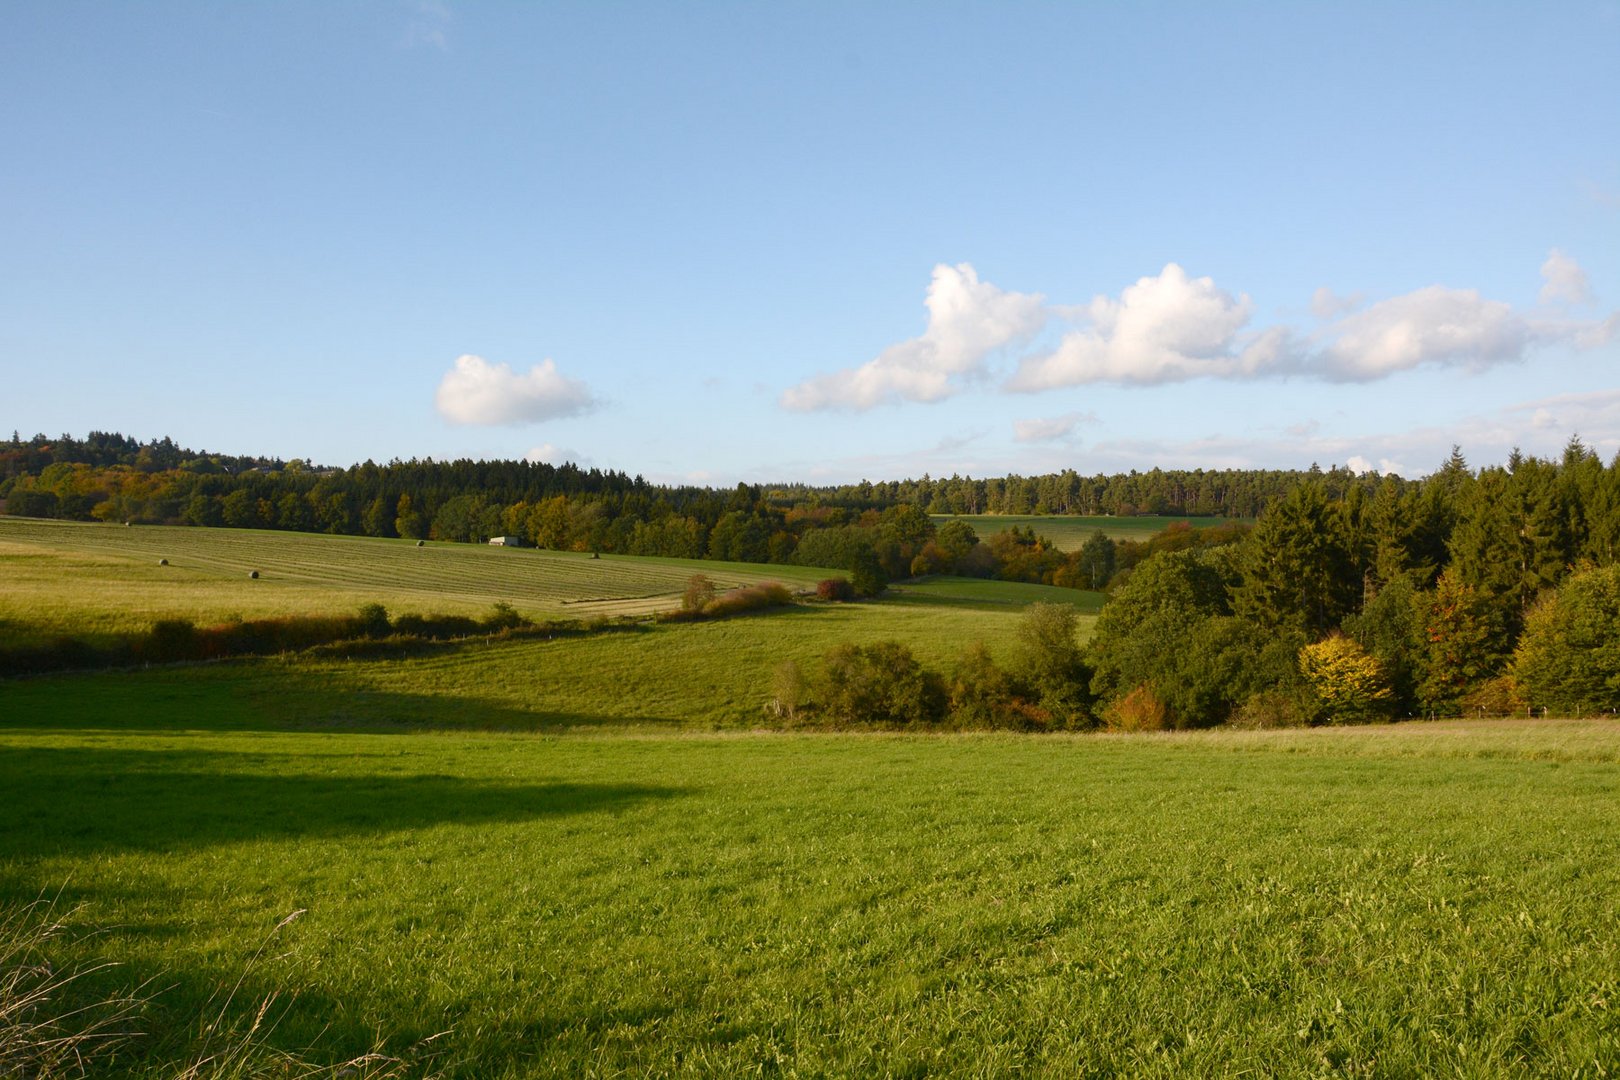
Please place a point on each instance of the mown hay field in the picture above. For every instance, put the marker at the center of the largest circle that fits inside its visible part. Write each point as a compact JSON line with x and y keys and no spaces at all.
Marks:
{"x":68,"y":577}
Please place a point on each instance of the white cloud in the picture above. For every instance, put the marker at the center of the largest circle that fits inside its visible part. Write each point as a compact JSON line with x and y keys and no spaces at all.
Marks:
{"x":1565,"y":281}
{"x":476,"y":391}
{"x":1385,"y":466}
{"x":968,"y":321}
{"x":1433,"y":325}
{"x":1592,"y":335}
{"x":1162,"y":329}
{"x":1594,"y":414}
{"x":1048,"y":430}
{"x":1174,"y":328}
{"x":1326,"y":304}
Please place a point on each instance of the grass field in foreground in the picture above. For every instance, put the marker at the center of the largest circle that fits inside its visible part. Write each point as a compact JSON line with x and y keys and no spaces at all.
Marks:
{"x":1069,"y":531}
{"x":1419,"y":900}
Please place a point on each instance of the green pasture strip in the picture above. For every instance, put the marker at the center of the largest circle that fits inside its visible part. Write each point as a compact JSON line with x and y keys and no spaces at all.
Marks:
{"x":1069,"y":531}
{"x":713,"y":674}
{"x":1366,"y":902}
{"x":102,"y":580}
{"x":961,"y":591}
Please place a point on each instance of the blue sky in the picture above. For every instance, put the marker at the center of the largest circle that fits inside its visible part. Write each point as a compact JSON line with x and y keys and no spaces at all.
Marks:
{"x":815,"y":241}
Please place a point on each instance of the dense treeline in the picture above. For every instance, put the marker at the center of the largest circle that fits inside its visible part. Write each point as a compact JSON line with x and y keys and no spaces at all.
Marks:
{"x":867,"y":527}
{"x":1469,"y":591}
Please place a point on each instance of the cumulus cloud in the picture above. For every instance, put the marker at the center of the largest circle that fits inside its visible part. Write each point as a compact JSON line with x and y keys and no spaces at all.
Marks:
{"x":1428,"y":326}
{"x":1327,"y":304}
{"x":1050,"y":429}
{"x":475,"y":391}
{"x":1162,"y":329}
{"x":1564,"y":280}
{"x":1173,"y":327}
{"x":1385,"y":466}
{"x":968,"y":321}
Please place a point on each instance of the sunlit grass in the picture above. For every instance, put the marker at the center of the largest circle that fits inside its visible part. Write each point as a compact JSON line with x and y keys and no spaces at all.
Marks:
{"x":843,"y":905}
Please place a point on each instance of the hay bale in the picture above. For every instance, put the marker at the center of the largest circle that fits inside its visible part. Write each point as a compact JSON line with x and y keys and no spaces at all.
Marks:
{"x":163,"y":562}
{"x":421,"y":543}
{"x":254,"y":574}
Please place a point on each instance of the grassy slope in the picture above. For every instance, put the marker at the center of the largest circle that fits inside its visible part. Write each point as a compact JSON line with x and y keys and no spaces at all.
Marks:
{"x":1432,"y":899}
{"x":65,"y":577}
{"x":1069,"y":531}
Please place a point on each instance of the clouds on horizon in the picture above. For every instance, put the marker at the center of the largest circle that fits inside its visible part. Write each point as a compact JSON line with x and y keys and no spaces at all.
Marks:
{"x":1050,"y":429}
{"x":1173,"y":327}
{"x":477,"y":392}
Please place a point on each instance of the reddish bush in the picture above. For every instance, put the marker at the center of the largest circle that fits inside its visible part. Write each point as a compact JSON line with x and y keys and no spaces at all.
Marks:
{"x":837,"y":589}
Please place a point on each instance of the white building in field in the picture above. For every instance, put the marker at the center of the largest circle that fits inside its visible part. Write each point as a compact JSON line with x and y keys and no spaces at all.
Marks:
{"x":506,"y":541}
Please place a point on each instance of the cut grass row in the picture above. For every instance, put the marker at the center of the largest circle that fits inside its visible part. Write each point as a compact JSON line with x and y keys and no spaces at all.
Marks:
{"x":1421,"y":900}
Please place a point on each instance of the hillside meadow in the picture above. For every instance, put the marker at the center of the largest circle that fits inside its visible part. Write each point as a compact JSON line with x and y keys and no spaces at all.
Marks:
{"x":71,"y":577}
{"x":576,"y":857}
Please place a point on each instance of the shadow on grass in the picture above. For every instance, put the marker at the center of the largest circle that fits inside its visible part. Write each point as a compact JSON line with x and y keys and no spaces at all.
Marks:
{"x":82,"y":800}
{"x":252,"y":695}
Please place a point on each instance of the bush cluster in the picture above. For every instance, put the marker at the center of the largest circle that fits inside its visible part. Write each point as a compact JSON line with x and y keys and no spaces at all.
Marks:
{"x":1044,"y":687}
{"x":836,"y":589}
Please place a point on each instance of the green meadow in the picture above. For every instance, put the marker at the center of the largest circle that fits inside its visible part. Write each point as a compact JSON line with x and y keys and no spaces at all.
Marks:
{"x":1069,"y":531}
{"x":578,"y":857}
{"x":68,"y":577}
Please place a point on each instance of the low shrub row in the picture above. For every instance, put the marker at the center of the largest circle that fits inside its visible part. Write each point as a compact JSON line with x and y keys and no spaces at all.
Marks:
{"x":368,"y":632}
{"x":703,"y":600}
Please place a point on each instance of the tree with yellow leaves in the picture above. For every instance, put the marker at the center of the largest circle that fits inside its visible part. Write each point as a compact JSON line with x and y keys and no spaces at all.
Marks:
{"x":1347,"y":684}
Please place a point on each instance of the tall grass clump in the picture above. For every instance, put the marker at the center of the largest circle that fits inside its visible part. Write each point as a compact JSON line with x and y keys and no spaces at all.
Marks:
{"x":52,"y":1029}
{"x":46,"y":1029}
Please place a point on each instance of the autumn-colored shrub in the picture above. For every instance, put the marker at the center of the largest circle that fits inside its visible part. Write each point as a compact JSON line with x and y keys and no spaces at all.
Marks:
{"x":747,"y":598}
{"x":1138,"y":710}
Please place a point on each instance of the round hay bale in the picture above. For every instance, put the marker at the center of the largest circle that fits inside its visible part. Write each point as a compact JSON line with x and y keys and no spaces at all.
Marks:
{"x":254,"y":574}
{"x":421,"y":543}
{"x":163,"y":562}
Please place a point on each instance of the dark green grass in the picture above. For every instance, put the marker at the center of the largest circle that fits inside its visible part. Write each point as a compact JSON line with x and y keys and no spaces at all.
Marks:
{"x":1425,"y":900}
{"x":993,"y":595}
{"x":1069,"y":531}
